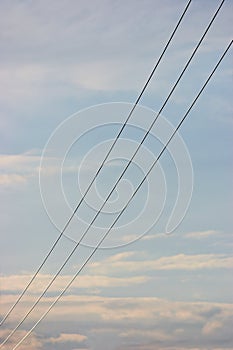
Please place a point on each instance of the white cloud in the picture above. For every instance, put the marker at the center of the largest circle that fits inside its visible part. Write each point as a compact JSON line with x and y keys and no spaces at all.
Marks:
{"x":18,"y":282}
{"x":129,"y":309}
{"x":62,"y":55}
{"x":201,"y":234}
{"x":148,"y":334}
{"x":211,"y":327}
{"x":173,"y":262}
{"x":150,"y":237}
{"x":17,"y":169}
{"x":147,"y":237}
{"x":32,"y":342}
{"x":121,"y":256}
{"x":12,"y":179}
{"x":140,"y":320}
{"x":67,"y":337}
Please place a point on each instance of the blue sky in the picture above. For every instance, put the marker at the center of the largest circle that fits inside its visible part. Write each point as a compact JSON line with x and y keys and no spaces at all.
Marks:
{"x":162,"y":291}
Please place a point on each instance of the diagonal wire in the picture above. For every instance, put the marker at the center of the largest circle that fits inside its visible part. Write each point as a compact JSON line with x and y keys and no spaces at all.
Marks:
{"x":133,"y":195}
{"x":105,"y":201}
{"x":101,"y":166}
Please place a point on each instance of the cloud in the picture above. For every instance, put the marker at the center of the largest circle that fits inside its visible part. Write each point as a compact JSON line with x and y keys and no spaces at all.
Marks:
{"x":12,"y":179}
{"x":128,"y":320}
{"x":20,"y":162}
{"x":67,"y":337}
{"x":18,"y":169}
{"x":16,"y":283}
{"x":201,"y":234}
{"x":35,"y":342}
{"x":150,"y":237}
{"x":32,"y":342}
{"x":129,"y":309}
{"x":121,"y":256}
{"x":147,"y":237}
{"x":58,"y":51}
{"x":211,"y":327}
{"x":148,"y":334}
{"x":173,"y":262}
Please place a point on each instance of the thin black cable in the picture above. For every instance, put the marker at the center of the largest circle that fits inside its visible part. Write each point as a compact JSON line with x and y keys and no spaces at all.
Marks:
{"x":115,"y":185}
{"x":139,"y":186}
{"x":101,"y":166}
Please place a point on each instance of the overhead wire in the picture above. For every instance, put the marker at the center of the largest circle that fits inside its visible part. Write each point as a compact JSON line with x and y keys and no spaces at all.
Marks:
{"x":98,"y":212}
{"x":125,"y":207}
{"x":100,"y":168}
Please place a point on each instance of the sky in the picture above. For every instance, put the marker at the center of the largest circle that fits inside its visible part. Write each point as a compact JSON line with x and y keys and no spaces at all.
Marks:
{"x":70,"y":72}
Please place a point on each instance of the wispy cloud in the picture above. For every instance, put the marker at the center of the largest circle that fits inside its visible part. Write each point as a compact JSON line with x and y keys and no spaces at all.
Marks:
{"x":67,"y":337}
{"x":35,"y":342}
{"x":211,"y":327}
{"x":173,"y":262}
{"x":16,"y":283}
{"x":201,"y":234}
{"x":12,"y":179}
{"x":18,"y":169}
{"x":70,"y":65}
{"x":147,"y":237}
{"x":148,"y":334}
{"x":32,"y":342}
{"x":139,"y":321}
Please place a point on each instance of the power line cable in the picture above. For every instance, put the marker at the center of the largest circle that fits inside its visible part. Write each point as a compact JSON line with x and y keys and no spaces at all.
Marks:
{"x":98,"y":212}
{"x":101,"y":166}
{"x":137,"y":189}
